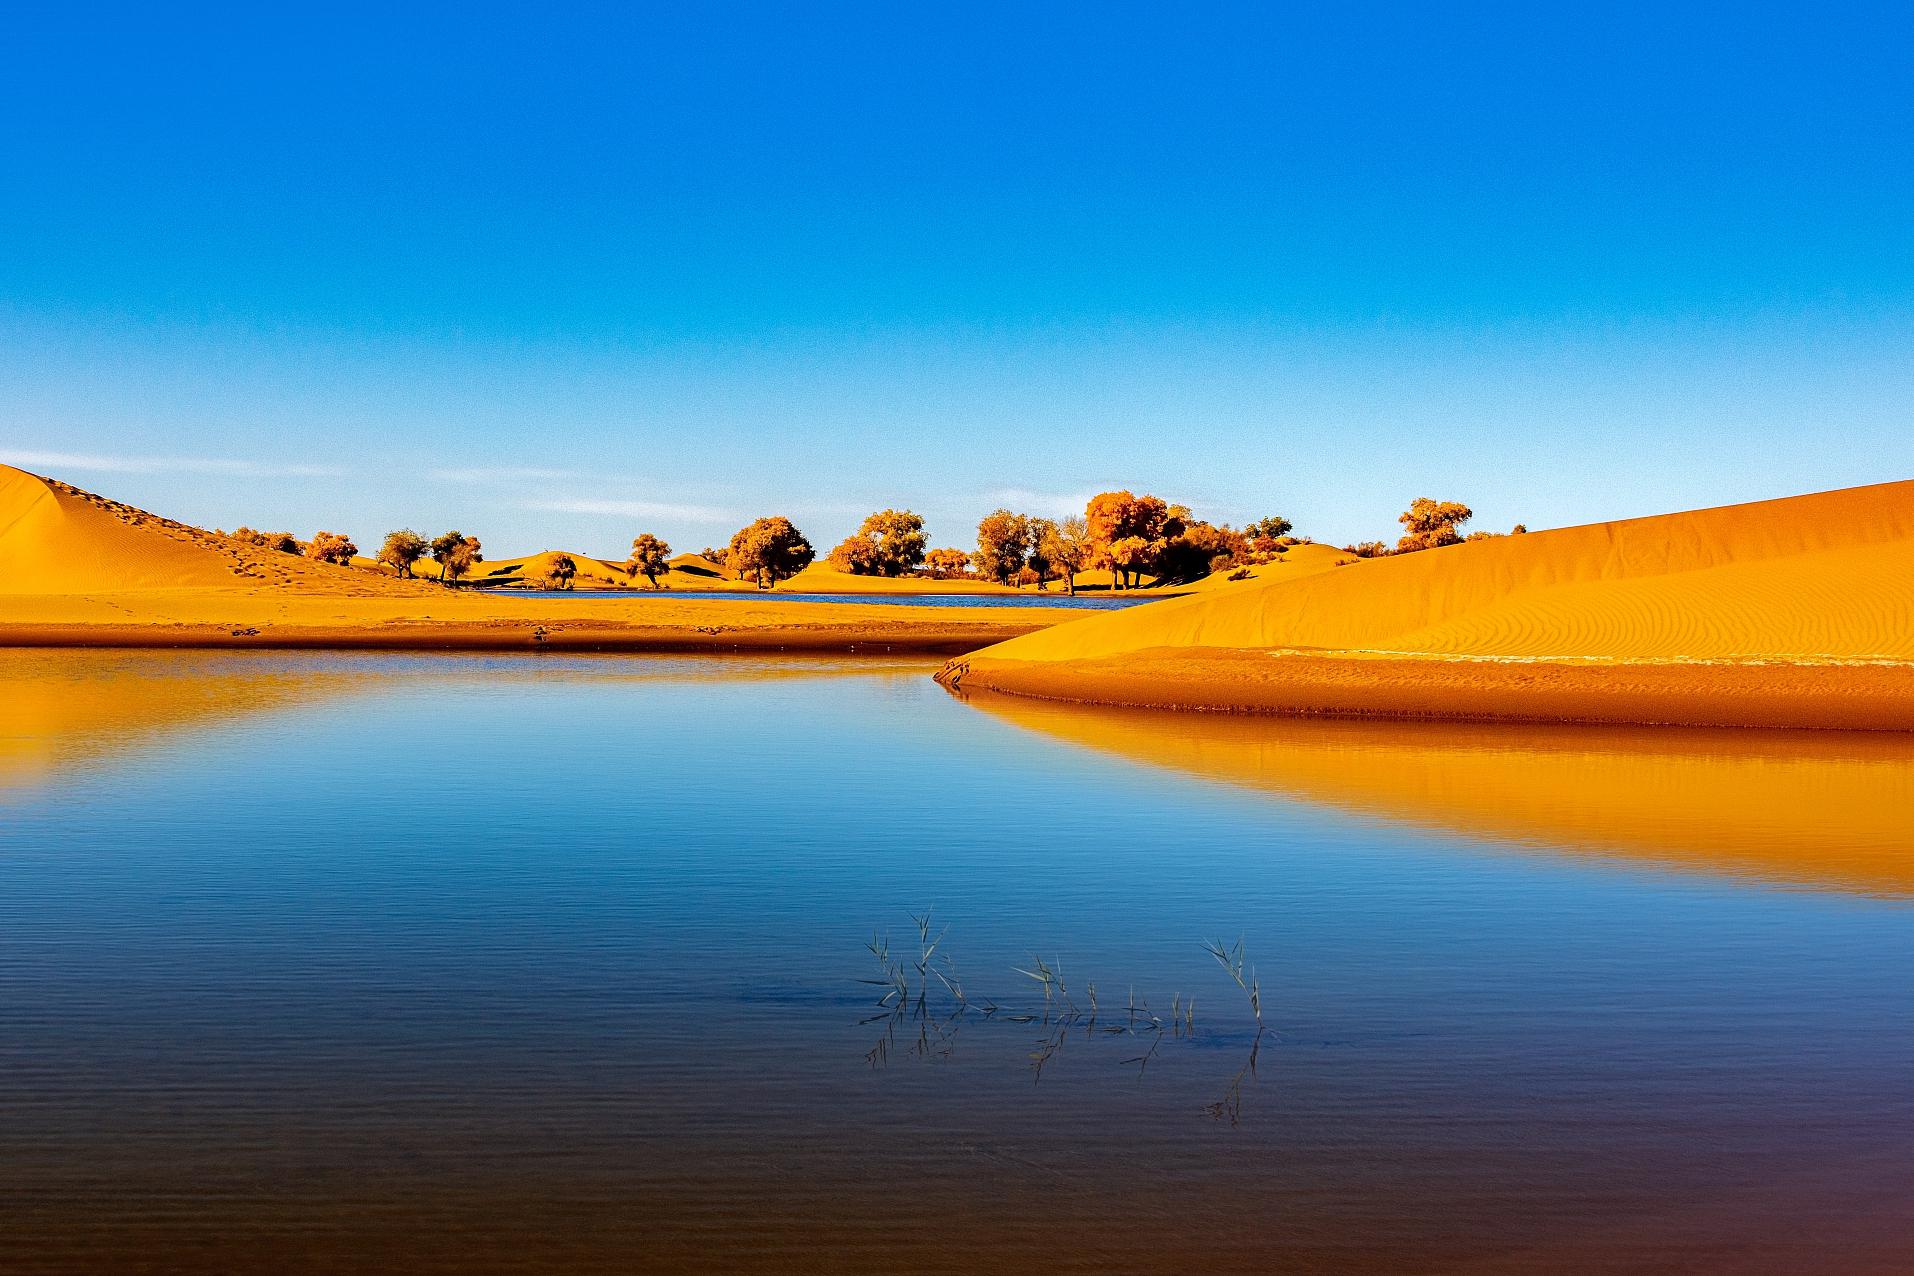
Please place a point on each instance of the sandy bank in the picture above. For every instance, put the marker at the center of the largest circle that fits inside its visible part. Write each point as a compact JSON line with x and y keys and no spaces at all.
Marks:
{"x":1795,"y":613}
{"x":443,"y":620}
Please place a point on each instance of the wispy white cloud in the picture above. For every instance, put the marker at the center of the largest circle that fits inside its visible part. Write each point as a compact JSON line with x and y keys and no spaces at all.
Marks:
{"x":58,"y":462}
{"x":1047,"y":504}
{"x":662,"y":510}
{"x":500,"y":474}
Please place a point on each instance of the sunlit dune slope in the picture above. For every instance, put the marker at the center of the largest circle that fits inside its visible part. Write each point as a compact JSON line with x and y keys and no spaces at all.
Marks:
{"x":56,"y":539}
{"x":1820,"y":809}
{"x":1828,"y":575}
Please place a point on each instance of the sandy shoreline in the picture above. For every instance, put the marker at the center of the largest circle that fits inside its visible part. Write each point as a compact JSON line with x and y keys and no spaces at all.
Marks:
{"x":1831,"y":695}
{"x":435,"y":619}
{"x":517,"y":635}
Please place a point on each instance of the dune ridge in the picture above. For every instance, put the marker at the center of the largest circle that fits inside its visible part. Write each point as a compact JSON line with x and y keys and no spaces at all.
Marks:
{"x":1686,"y":618}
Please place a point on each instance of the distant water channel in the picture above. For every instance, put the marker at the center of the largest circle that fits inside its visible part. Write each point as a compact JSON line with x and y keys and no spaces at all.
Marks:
{"x":580,"y":964}
{"x":1082,"y":602}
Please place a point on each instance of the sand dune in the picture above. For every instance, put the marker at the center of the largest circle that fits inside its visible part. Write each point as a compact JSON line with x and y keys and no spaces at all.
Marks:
{"x":1533,"y":626}
{"x":590,"y":573}
{"x":56,"y":539}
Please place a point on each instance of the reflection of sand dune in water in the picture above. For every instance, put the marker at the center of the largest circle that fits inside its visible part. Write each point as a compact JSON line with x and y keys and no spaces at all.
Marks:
{"x":1809,"y":808}
{"x":62,"y":709}
{"x":65,"y":709}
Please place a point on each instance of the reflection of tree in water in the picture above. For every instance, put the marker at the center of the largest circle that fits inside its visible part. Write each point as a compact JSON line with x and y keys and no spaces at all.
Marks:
{"x":923,"y":1007}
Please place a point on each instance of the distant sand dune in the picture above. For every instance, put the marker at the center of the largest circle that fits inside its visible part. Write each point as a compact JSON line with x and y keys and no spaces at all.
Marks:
{"x":57,"y":539}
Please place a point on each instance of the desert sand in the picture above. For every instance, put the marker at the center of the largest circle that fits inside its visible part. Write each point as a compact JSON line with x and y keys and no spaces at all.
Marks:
{"x":79,"y":570}
{"x":1789,"y":613}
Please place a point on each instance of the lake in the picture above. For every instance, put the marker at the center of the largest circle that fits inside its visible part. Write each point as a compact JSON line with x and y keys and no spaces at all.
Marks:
{"x":558,"y":963}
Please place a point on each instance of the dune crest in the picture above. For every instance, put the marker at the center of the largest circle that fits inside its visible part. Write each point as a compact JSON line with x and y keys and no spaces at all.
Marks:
{"x":1534,"y":626}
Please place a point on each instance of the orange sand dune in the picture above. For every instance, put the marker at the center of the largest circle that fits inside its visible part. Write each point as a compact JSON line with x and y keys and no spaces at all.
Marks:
{"x":56,"y":539}
{"x":591,"y":573}
{"x":79,"y":570}
{"x":1608,"y":622}
{"x":1821,"y":809}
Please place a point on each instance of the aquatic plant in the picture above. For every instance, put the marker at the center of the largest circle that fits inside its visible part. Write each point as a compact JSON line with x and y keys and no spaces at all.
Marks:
{"x":1231,"y":960}
{"x":923,"y":1005}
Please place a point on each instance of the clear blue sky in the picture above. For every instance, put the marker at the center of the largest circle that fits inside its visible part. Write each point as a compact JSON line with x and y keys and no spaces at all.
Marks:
{"x":556,"y":274}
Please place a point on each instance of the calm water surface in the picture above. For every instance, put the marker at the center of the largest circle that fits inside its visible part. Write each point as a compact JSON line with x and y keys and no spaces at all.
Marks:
{"x":552,"y":964}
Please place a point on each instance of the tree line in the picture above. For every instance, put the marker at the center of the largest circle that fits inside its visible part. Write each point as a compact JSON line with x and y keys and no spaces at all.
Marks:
{"x":1132,"y":537}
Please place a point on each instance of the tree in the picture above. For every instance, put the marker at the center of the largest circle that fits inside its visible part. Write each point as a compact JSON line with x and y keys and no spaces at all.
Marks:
{"x":563,"y":568}
{"x":1003,"y":538}
{"x":1065,"y":546}
{"x":1367,"y":549}
{"x":332,"y":547}
{"x":888,"y":543}
{"x":402,"y":549}
{"x":770,"y":550}
{"x":1113,"y":517}
{"x":856,"y":556}
{"x":1040,"y":536}
{"x":1431,"y":524}
{"x":456,"y":554}
{"x":1129,"y":558}
{"x":1274,"y":527}
{"x":650,"y":556}
{"x":281,"y":542}
{"x":947,"y":564}
{"x":1196,"y":550}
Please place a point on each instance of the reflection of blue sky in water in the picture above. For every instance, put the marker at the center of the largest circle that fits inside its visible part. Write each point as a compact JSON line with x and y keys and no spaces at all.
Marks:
{"x":556,"y":959}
